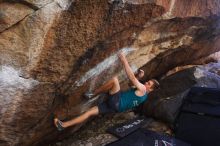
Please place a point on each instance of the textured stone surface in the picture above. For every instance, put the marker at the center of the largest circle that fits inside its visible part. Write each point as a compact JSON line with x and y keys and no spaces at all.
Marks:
{"x":38,"y":3}
{"x":23,"y":104}
{"x":64,"y":48}
{"x":182,"y":40}
{"x":21,"y":44}
{"x":184,"y":8}
{"x":188,"y":8}
{"x":12,"y":13}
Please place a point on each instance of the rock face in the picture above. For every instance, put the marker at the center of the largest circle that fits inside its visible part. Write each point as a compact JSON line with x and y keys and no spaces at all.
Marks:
{"x":186,"y":8}
{"x":12,"y":13}
{"x":52,"y":51}
{"x":194,"y":8}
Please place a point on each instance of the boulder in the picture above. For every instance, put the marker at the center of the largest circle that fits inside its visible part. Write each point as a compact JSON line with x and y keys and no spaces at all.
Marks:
{"x":54,"y":51}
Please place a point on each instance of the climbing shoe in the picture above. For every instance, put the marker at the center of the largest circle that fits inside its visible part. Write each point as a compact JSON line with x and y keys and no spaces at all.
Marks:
{"x":59,"y":125}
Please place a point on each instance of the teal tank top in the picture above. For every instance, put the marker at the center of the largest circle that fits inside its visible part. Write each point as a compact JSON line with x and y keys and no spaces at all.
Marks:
{"x":129,"y":100}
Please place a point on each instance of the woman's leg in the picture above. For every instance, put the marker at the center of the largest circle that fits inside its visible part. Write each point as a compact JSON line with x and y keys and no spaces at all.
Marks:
{"x":91,"y":112}
{"x":112,"y":86}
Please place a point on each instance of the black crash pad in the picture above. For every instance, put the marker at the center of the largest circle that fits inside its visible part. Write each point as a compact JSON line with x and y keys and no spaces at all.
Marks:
{"x":121,"y":130}
{"x":144,"y":137}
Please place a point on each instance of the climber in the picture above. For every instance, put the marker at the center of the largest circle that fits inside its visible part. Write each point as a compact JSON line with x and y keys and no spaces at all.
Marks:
{"x":118,"y":101}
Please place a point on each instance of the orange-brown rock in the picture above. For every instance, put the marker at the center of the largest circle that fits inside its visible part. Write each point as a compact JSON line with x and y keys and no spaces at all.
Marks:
{"x":184,"y":8}
{"x":51,"y":56}
{"x":12,"y":13}
{"x":190,"y":8}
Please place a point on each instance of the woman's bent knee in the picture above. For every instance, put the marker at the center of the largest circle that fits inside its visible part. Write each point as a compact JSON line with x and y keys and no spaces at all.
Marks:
{"x":93,"y":111}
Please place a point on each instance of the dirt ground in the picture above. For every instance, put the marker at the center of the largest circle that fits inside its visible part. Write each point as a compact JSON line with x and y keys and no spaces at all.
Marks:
{"x":94,"y":132}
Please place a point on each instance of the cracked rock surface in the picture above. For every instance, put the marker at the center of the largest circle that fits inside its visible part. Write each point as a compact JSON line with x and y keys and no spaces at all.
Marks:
{"x":52,"y":51}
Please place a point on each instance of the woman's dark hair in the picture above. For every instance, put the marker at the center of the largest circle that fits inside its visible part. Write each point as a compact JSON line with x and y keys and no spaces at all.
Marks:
{"x":156,"y":84}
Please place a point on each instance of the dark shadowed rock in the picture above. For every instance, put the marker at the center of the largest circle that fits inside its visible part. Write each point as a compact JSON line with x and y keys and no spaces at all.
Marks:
{"x":165,"y":103}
